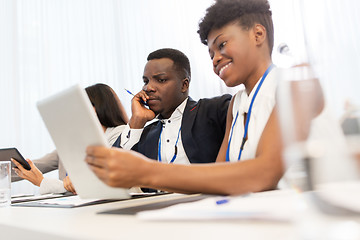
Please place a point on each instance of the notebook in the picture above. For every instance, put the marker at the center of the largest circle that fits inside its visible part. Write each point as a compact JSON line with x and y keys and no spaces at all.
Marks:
{"x":73,"y":125}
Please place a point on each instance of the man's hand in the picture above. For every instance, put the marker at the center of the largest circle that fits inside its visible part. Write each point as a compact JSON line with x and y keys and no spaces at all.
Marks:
{"x":140,"y":114}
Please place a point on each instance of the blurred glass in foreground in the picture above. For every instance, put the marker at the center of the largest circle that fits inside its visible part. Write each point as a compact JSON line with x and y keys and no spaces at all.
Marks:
{"x":317,"y":158}
{"x":300,"y":100}
{"x":315,"y":149}
{"x":320,"y":146}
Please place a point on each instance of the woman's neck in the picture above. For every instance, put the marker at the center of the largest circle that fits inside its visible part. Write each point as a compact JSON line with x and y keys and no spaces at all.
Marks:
{"x":255,"y":77}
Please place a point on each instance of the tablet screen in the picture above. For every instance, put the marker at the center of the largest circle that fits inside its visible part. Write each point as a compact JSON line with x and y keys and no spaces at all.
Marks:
{"x":7,"y":153}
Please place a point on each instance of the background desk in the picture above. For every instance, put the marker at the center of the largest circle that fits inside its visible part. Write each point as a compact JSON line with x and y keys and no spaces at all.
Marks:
{"x":84,"y":223}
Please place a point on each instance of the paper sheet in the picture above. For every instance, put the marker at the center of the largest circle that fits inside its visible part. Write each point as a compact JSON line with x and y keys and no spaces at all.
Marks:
{"x":27,"y":198}
{"x":63,"y":202}
{"x":269,"y":206}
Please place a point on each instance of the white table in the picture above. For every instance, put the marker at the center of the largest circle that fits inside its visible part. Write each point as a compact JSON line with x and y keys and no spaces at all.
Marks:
{"x":85,"y":223}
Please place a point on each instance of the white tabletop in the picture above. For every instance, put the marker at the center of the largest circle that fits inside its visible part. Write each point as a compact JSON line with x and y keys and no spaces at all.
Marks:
{"x":86,"y":223}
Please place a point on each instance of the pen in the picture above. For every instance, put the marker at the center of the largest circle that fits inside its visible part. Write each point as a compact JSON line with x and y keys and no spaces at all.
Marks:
{"x":142,"y":101}
{"x":222,"y":201}
{"x":129,"y":92}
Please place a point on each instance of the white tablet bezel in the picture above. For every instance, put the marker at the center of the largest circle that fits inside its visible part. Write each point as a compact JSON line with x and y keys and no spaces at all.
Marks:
{"x":73,"y":125}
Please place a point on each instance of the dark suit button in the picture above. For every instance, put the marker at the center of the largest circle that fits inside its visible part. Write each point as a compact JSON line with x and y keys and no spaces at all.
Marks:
{"x":169,"y":121}
{"x":168,"y":140}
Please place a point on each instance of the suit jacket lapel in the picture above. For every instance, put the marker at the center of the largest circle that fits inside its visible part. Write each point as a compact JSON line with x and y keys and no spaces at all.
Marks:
{"x":187,"y":124}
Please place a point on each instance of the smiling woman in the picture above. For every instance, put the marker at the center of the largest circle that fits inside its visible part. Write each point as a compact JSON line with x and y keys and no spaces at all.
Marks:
{"x":227,"y":54}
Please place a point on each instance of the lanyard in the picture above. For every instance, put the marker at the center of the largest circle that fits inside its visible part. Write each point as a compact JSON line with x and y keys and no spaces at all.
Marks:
{"x":159,"y":147}
{"x":247,"y":117}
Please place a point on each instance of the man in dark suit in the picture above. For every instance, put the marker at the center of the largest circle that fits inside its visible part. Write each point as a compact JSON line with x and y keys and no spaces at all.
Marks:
{"x":183,"y":131}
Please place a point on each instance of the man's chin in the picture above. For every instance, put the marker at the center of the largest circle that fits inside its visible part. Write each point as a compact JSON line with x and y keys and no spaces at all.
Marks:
{"x":154,"y":108}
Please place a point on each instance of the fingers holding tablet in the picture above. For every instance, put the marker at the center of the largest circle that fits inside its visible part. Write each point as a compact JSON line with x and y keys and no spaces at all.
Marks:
{"x":7,"y":153}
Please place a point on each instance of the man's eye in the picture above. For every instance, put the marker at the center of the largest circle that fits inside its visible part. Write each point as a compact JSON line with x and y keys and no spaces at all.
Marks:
{"x":162,"y":79}
{"x":146,"y":82}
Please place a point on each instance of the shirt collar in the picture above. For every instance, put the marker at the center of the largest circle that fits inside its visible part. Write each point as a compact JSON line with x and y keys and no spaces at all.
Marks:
{"x":178,"y":111}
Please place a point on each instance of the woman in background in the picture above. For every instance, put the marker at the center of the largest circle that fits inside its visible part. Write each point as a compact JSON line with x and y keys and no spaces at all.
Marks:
{"x":113,"y":119}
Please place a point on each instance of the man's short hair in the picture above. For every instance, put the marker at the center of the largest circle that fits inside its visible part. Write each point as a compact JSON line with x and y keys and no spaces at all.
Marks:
{"x":246,"y":12}
{"x":181,"y":62}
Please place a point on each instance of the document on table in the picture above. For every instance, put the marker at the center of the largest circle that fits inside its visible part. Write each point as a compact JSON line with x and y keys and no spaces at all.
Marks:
{"x":28,"y":198}
{"x":64,"y":202}
{"x":68,"y":200}
{"x":268,"y":206}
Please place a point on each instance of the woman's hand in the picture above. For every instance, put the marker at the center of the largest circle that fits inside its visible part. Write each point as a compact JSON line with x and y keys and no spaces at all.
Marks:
{"x":117,"y":167}
{"x":34,"y":175}
{"x":68,"y":185}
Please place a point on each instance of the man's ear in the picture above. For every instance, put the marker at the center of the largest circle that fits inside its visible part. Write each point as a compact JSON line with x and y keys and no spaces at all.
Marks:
{"x":185,"y":85}
{"x":260,"y":34}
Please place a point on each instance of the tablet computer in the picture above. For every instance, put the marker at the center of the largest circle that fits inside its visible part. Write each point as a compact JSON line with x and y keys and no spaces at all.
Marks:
{"x":7,"y":153}
{"x":73,"y":126}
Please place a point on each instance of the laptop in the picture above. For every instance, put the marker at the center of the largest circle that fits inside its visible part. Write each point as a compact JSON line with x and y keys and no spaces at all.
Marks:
{"x":73,"y":125}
